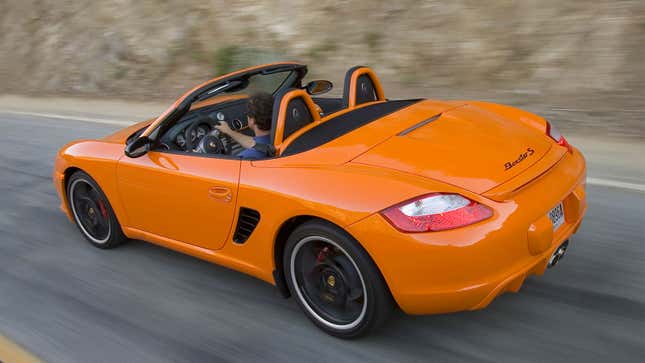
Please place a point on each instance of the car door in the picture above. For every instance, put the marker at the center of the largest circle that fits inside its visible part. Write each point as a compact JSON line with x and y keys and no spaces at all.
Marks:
{"x":188,"y":198}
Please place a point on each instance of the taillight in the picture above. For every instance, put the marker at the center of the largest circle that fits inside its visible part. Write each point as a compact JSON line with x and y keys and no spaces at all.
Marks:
{"x":436,"y":212}
{"x":557,"y":136}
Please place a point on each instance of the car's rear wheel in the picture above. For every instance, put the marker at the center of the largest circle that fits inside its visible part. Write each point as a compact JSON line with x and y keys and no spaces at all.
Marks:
{"x":92,"y":212}
{"x":335,"y":282}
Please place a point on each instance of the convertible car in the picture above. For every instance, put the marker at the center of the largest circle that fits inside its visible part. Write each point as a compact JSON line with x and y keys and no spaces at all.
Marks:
{"x":361,"y":204}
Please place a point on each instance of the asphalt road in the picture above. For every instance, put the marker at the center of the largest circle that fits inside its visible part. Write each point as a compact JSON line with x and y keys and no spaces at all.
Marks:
{"x":66,"y":301}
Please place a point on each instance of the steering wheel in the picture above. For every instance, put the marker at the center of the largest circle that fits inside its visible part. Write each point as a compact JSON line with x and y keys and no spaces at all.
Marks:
{"x":189,"y":141}
{"x":211,"y":143}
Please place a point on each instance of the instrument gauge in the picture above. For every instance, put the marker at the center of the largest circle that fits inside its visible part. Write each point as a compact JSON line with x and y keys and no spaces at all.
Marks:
{"x":180,"y":140}
{"x":201,"y":131}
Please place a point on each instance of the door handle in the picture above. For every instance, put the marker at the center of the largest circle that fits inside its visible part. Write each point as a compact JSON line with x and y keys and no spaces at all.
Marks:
{"x":222,"y":194}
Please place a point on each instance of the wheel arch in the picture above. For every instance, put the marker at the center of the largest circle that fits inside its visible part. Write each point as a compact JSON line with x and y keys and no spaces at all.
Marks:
{"x":112,"y":199}
{"x":67,"y":173}
{"x":280,"y":242}
{"x":284,"y":231}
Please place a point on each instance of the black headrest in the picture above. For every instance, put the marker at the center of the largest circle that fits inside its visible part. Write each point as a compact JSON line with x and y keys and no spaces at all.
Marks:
{"x":297,"y":114}
{"x":365,"y":88}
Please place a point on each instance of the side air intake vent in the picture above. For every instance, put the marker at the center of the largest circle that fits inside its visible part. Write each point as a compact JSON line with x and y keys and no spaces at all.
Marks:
{"x":246,"y":223}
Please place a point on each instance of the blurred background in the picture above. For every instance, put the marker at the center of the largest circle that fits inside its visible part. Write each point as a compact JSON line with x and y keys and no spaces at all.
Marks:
{"x":84,"y":69}
{"x":580,"y":59}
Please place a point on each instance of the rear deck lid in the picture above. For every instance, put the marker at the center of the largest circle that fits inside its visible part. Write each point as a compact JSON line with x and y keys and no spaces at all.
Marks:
{"x":467,"y":146}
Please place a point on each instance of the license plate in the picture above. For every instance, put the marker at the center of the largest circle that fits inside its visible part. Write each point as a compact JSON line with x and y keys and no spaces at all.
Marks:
{"x":557,"y":216}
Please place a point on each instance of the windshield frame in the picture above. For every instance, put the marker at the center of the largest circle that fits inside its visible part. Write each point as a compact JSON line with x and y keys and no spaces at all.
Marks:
{"x":221,"y":85}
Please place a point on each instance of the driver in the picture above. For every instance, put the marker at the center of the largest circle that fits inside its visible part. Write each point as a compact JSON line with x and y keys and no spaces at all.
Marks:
{"x":260,"y":112}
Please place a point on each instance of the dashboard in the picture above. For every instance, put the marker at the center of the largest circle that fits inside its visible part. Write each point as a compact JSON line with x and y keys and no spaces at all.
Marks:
{"x":196,"y":131}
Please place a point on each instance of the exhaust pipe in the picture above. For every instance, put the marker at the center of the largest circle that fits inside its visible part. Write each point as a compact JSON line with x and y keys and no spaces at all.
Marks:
{"x":558,"y":254}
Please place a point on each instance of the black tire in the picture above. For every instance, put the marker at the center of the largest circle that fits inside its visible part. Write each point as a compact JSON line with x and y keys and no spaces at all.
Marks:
{"x":318,"y":262}
{"x":92,"y":212}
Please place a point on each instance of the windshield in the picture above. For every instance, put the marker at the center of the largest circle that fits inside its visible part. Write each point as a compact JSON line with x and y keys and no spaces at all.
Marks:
{"x":270,"y":78}
{"x":269,"y":82}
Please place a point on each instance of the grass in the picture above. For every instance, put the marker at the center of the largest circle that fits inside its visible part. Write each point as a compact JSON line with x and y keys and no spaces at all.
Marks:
{"x":373,"y":39}
{"x":224,"y":59}
{"x":233,"y":57}
{"x":316,"y":52}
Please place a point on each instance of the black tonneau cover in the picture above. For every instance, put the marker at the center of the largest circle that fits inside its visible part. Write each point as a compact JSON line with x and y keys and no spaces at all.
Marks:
{"x":342,"y":124}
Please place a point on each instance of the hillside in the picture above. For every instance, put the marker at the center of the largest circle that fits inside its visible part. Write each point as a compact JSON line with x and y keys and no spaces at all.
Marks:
{"x":589,"y":54}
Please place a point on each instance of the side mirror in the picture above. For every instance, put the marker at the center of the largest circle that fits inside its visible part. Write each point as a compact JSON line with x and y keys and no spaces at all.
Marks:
{"x":138,"y":147}
{"x":319,"y":87}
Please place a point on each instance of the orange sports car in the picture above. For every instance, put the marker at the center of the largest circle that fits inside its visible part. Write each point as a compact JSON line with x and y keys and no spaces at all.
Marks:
{"x":357,"y":204}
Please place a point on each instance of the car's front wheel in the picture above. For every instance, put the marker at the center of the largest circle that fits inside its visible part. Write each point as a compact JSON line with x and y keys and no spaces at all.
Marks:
{"x":334,"y":280}
{"x":92,"y":212}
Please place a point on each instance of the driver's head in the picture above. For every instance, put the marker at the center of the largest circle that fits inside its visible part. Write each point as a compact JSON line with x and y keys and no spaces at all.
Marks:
{"x":260,"y":111}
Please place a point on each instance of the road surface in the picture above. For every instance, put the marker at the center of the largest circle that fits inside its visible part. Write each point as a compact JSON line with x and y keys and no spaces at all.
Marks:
{"x":65,"y":301}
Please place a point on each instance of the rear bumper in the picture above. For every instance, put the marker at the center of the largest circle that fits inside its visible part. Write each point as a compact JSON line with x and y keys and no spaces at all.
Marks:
{"x":466,"y":268}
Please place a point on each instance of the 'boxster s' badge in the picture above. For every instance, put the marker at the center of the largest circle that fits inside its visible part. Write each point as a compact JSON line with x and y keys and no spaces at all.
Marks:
{"x":521,"y":158}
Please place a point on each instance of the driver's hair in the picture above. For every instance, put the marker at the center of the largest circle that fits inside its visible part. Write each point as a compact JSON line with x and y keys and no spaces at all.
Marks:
{"x":260,"y":107}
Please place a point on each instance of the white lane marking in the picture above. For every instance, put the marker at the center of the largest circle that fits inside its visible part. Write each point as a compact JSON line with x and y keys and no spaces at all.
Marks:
{"x":590,"y":181}
{"x":72,"y":118}
{"x":615,"y":184}
{"x":595,"y":110}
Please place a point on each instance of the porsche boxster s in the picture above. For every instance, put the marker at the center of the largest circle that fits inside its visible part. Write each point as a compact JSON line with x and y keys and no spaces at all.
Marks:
{"x":359,"y":204}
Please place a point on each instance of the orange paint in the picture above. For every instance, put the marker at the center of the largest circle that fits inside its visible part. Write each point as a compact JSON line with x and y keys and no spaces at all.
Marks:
{"x":190,"y":202}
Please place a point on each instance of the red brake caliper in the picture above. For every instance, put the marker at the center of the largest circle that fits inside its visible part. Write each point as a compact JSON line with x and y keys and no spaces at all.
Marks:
{"x":322,"y":255}
{"x":103,"y":210}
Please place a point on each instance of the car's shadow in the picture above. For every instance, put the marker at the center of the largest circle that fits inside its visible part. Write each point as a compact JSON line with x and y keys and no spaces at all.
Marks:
{"x":530,"y":305}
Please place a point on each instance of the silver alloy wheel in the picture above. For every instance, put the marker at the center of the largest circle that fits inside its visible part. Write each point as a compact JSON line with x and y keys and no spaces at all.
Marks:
{"x":72,"y":189}
{"x":297,"y":287}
